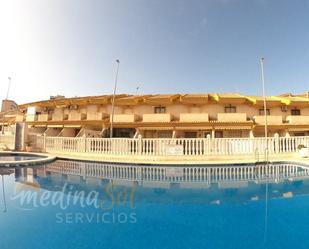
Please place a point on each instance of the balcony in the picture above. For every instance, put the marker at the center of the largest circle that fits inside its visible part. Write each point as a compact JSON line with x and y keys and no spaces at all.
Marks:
{"x":194,"y":117}
{"x":232,"y":117}
{"x":298,"y":120}
{"x":157,"y":117}
{"x":19,"y":118}
{"x":125,"y":118}
{"x":76,"y":116}
{"x":44,"y":117}
{"x":95,"y":115}
{"x":271,"y":120}
{"x":57,"y":115}
{"x":31,"y":117}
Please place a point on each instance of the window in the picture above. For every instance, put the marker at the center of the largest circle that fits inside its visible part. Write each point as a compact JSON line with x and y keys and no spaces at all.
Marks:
{"x":230,"y":109}
{"x":218,"y":134}
{"x":165,"y":134}
{"x":261,"y":112}
{"x":295,"y":112}
{"x":190,"y":134}
{"x":159,"y":109}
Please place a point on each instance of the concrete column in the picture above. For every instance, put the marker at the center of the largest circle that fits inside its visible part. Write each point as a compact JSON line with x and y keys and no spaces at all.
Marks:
{"x":251,"y":135}
{"x":174,"y":134}
{"x":213,"y":133}
{"x":140,"y":145}
{"x":44,"y":142}
{"x":276,"y":142}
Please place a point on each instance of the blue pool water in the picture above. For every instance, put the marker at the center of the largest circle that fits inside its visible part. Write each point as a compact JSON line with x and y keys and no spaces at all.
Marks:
{"x":154,"y":207}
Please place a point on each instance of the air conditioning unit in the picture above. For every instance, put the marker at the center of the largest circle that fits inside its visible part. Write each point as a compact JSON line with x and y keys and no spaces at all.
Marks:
{"x":284,"y":108}
{"x":73,"y":107}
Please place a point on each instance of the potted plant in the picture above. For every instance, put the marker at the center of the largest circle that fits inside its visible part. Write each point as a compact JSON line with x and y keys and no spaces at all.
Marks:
{"x":303,"y":150}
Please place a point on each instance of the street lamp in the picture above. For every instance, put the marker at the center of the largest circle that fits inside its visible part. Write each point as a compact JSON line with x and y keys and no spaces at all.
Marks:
{"x":264,"y":98}
{"x":113,"y":99}
{"x":9,"y":85}
{"x":7,"y":96}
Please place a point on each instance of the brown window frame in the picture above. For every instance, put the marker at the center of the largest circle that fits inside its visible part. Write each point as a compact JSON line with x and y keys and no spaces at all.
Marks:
{"x":261,"y":112}
{"x":159,"y":108}
{"x":230,"y":107}
{"x":294,"y":111}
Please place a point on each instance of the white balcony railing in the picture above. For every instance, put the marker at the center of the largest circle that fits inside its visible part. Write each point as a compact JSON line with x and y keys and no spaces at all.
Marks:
{"x":173,"y":147}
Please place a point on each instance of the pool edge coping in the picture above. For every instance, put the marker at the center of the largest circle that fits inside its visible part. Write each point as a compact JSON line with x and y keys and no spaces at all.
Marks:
{"x":49,"y":157}
{"x":44,"y":158}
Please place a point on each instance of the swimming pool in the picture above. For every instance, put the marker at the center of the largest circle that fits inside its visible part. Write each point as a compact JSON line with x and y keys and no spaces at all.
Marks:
{"x":95,"y":205}
{"x":23,"y":158}
{"x":11,"y":157}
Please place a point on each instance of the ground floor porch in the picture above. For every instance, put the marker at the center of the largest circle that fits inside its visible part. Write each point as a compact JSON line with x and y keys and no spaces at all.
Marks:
{"x":167,"y":131}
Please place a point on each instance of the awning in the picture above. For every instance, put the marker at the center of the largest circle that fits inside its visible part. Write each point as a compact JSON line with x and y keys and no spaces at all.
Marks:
{"x":233,"y":127}
{"x":186,"y":128}
{"x":299,"y":129}
{"x":156,"y":128}
{"x":72,"y":126}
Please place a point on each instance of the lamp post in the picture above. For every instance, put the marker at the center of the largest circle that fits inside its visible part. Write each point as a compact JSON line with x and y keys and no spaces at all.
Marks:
{"x":7,"y":96}
{"x":9,"y":85}
{"x":264,"y":98}
{"x":113,"y":99}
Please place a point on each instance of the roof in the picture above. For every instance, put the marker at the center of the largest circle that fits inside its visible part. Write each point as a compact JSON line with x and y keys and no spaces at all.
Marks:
{"x":166,"y":99}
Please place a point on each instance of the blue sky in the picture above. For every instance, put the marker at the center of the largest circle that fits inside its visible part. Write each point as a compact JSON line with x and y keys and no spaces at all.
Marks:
{"x":69,"y":47}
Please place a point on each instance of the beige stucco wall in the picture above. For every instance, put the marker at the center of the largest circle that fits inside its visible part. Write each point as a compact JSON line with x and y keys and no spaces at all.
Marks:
{"x":271,"y":120}
{"x":44,"y":117}
{"x":57,"y":114}
{"x":68,"y":132}
{"x":77,"y":114}
{"x":8,"y":105}
{"x":162,"y":117}
{"x":53,"y":132}
{"x":232,"y":117}
{"x":125,"y":118}
{"x":193,"y":117}
{"x":299,"y":120}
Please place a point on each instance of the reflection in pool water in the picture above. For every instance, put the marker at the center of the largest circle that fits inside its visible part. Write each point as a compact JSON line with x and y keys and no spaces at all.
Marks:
{"x":70,"y":204}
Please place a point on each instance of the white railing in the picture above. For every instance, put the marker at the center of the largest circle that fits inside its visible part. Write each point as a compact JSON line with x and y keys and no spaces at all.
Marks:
{"x":7,"y":142}
{"x":170,"y":147}
{"x":210,"y":174}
